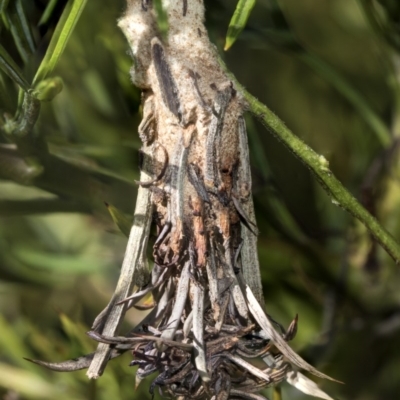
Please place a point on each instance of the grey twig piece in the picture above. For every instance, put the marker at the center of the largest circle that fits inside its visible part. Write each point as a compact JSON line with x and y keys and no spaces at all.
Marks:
{"x":249,"y":257}
{"x":135,"y":249}
{"x":187,"y":326}
{"x":98,"y":322}
{"x":177,"y":180}
{"x":163,"y":234}
{"x":223,"y":305}
{"x":244,"y":167}
{"x":198,"y":183}
{"x":249,"y":367}
{"x":166,"y":81}
{"x":211,"y":268}
{"x":194,"y":77}
{"x":292,"y":329}
{"x":163,"y":302}
{"x":198,"y":331}
{"x":180,"y":181}
{"x":302,"y":383}
{"x":235,"y":288}
{"x":261,"y":318}
{"x":141,"y":293}
{"x":73,"y":365}
{"x":223,"y":387}
{"x":220,"y":106}
{"x":251,"y":226}
{"x":148,"y":184}
{"x":180,"y":302}
{"x":138,"y":339}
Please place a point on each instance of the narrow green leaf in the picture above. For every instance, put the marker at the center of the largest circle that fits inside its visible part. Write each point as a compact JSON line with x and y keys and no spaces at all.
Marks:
{"x":25,"y":28}
{"x":58,"y":263}
{"x":238,"y":21}
{"x":38,"y":206}
{"x":123,"y":221}
{"x":20,"y":29}
{"x":347,"y":90}
{"x":76,"y":332}
{"x":72,"y":155}
{"x":13,"y":346}
{"x":8,"y":65}
{"x":47,"y":12}
{"x":3,"y":5}
{"x":63,"y":31}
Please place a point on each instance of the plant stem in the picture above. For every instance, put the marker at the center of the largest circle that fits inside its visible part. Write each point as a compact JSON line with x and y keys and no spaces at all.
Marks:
{"x":320,"y":167}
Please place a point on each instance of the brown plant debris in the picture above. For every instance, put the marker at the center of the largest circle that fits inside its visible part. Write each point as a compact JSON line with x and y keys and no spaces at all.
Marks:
{"x":207,"y":325}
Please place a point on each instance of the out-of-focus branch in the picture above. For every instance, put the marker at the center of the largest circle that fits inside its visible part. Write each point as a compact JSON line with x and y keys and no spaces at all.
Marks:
{"x":73,"y":184}
{"x":10,"y":208}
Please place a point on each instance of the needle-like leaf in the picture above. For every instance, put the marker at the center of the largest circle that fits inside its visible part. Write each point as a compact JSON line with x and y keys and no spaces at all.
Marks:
{"x":305,"y":385}
{"x":238,"y":21}
{"x":8,"y":65}
{"x":59,"y":40}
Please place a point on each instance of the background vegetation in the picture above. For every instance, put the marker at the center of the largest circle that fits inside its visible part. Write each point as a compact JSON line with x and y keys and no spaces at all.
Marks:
{"x":329,"y":69}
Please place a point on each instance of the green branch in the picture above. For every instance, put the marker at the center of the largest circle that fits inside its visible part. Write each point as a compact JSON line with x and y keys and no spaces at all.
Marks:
{"x":320,"y":167}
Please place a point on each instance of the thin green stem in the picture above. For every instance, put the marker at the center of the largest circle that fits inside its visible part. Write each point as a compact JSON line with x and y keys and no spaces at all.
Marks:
{"x":320,"y":167}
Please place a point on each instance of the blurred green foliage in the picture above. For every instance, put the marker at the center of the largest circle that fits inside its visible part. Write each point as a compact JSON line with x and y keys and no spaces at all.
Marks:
{"x":330,"y":70}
